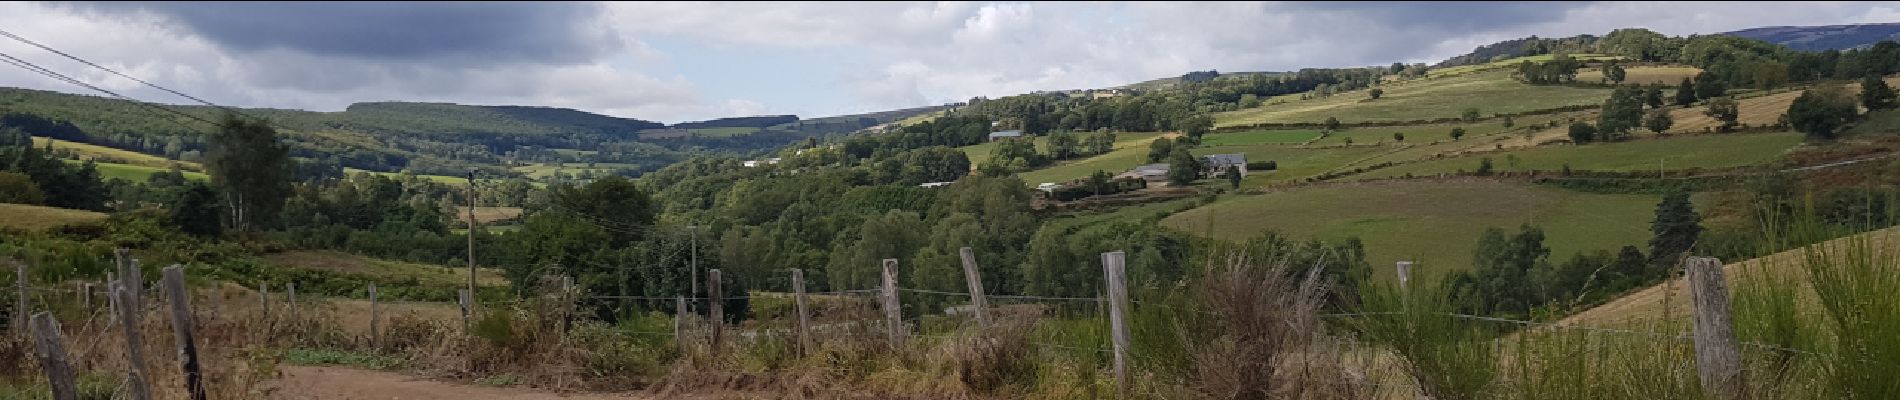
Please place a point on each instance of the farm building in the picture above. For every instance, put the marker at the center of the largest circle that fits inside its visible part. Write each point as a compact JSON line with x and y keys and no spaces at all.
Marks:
{"x":1216,"y":164}
{"x":1152,"y":173}
{"x":1009,"y":134}
{"x":768,"y":161}
{"x":934,"y":184}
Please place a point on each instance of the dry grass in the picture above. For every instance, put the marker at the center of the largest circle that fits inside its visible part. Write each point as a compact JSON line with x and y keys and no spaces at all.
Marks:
{"x":1644,"y":75}
{"x":31,"y":218}
{"x":488,"y":215}
{"x":1754,"y":111}
{"x":1671,"y":299}
{"x":345,"y":263}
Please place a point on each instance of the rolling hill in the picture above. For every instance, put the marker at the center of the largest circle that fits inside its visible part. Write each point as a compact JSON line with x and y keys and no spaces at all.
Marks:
{"x":1826,"y":37}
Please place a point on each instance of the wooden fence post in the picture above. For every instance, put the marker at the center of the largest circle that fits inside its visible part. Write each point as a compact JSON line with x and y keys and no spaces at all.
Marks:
{"x":134,"y":348}
{"x":85,"y":290}
{"x":567,"y":305}
{"x":375,"y":318}
{"x":1113,"y":268}
{"x":59,"y":373}
{"x":679,"y":321}
{"x":181,"y":328}
{"x":975,"y":278}
{"x":263,"y":300}
{"x":1718,"y":358}
{"x":290,"y":294}
{"x":1405,"y":276}
{"x":135,"y":274}
{"x":804,"y":313}
{"x":716,"y":307}
{"x":21,"y":310}
{"x":893,"y":314}
{"x":462,"y":298}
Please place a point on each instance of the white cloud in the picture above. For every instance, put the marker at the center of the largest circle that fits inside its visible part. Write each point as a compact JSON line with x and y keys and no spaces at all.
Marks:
{"x":900,"y":54}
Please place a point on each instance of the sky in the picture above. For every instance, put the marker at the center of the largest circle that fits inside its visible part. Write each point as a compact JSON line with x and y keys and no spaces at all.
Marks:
{"x":684,"y":61}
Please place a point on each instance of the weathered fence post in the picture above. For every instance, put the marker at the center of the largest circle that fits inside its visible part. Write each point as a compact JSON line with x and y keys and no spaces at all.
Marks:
{"x":1718,"y":358}
{"x":1114,"y":271}
{"x":463,"y":297}
{"x":182,"y":329}
{"x":263,"y":300}
{"x":716,"y":306}
{"x":134,"y":348}
{"x":20,"y":310}
{"x":978,"y":302}
{"x":679,"y":321}
{"x":1405,"y":276}
{"x":85,"y":290}
{"x":804,"y":313}
{"x":567,"y":305}
{"x":893,"y":314}
{"x":290,"y":294}
{"x":59,"y":373}
{"x":375,"y":318}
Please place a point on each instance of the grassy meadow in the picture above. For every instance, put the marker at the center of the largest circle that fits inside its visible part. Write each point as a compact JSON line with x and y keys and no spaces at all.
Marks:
{"x":137,"y":173}
{"x":1699,"y":151}
{"x":1434,"y":223}
{"x":1491,"y":92}
{"x":31,"y":218}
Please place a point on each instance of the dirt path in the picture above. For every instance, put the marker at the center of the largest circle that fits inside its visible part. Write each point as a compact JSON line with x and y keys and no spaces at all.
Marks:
{"x":340,"y":383}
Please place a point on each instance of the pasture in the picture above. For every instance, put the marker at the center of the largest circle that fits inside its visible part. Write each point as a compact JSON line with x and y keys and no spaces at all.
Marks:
{"x":1294,"y":136}
{"x":31,"y":218}
{"x":1667,"y":76}
{"x":105,"y":154}
{"x":137,"y":173}
{"x":1131,"y":149}
{"x":383,"y":270}
{"x":1434,"y":223}
{"x":1294,"y":163}
{"x":1699,"y":151}
{"x":445,"y":179}
{"x":1491,"y":92}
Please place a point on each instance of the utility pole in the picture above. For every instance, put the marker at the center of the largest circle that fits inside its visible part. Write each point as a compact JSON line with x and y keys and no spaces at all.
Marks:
{"x":693,"y":232}
{"x":469,"y":308}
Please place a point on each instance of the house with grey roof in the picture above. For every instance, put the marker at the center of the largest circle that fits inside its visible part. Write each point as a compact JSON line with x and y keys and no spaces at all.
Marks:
{"x":1213,"y":165}
{"x":1000,"y":135}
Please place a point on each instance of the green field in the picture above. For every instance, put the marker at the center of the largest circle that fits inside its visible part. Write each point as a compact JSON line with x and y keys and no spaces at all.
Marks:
{"x":1705,"y":151}
{"x":112,"y":155}
{"x":724,"y":131}
{"x":1434,"y":223}
{"x":1294,"y":163}
{"x":980,"y":153}
{"x":1464,"y":69}
{"x":29,"y":218}
{"x":543,"y":171}
{"x":136,"y":173}
{"x":398,"y":175}
{"x":1131,"y":149}
{"x":1491,"y":92}
{"x":1292,"y":136}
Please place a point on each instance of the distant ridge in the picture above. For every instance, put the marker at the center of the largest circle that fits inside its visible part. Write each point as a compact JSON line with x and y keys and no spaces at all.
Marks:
{"x":1828,"y":37}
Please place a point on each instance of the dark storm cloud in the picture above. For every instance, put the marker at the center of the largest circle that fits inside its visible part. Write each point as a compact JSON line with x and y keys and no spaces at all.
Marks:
{"x":551,"y":32}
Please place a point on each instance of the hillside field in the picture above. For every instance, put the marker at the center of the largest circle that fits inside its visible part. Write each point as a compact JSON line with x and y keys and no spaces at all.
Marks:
{"x":1668,"y":76}
{"x":102,"y":154}
{"x":1434,"y":223}
{"x":1491,"y":92}
{"x":1703,"y":151}
{"x":31,"y":218}
{"x":1131,"y":149}
{"x":137,"y":173}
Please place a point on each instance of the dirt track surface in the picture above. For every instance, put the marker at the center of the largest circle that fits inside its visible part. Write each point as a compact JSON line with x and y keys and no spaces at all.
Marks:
{"x":340,"y":383}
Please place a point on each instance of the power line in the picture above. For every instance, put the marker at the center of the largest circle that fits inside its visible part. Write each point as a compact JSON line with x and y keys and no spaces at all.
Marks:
{"x":29,"y":66}
{"x":3,"y":32}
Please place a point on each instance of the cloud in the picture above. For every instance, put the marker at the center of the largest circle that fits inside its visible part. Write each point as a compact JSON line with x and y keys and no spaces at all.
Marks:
{"x":307,"y":67}
{"x":556,"y":32}
{"x":722,"y":57}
